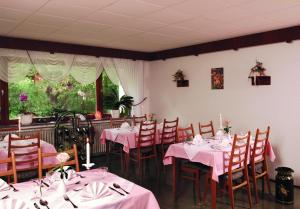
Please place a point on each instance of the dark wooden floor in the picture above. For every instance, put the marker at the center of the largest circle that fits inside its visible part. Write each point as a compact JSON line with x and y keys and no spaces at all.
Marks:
{"x":162,"y":189}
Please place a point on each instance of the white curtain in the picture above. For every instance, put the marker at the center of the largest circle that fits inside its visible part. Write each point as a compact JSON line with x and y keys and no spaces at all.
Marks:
{"x":110,"y":69}
{"x":14,"y":65}
{"x":131,"y":77}
{"x":86,"y":69}
{"x":52,"y":67}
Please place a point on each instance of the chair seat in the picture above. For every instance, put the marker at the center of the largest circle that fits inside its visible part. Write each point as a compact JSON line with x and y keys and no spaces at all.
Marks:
{"x":258,"y":167}
{"x":235,"y":176}
{"x":144,"y":151}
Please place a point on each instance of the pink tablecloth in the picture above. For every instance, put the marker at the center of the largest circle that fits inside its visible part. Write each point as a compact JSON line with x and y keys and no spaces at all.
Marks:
{"x":46,"y":147}
{"x":204,"y":154}
{"x":139,"y":198}
{"x":125,"y":136}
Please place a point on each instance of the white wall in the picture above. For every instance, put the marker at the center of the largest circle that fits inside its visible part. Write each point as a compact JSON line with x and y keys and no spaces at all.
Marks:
{"x":247,"y":107}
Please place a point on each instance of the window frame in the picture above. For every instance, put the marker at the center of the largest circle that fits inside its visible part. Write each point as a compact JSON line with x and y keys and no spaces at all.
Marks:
{"x":4,"y":102}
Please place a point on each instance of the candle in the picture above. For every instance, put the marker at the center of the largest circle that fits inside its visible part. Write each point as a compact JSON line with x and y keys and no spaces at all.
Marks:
{"x":221,"y":122}
{"x":19,"y":123}
{"x":87,"y":151}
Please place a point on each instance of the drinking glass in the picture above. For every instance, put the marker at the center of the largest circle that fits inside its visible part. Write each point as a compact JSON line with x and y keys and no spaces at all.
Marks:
{"x":103,"y":172}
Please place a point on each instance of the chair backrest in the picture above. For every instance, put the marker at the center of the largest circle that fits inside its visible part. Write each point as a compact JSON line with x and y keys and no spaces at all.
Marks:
{"x":258,"y":153}
{"x":138,"y":119}
{"x":25,"y":148}
{"x":238,"y":158}
{"x":73,"y":160}
{"x":117,"y":122}
{"x":169,"y":131}
{"x":207,"y":130}
{"x":147,"y":134}
{"x":11,"y":167}
{"x":185,"y":133}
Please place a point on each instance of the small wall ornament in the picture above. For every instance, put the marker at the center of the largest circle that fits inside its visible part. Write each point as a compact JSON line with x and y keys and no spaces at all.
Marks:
{"x":258,"y":75}
{"x":179,"y":78}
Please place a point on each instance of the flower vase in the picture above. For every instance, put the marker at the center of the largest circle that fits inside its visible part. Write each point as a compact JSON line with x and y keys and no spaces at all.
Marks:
{"x":26,"y":119}
{"x":61,"y":189}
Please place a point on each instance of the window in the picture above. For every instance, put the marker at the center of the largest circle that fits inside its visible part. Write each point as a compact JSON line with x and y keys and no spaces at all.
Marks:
{"x":44,"y":97}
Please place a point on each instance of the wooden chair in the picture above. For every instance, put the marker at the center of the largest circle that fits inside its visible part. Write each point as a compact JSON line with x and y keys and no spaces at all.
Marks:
{"x":72,"y":162}
{"x":258,"y":160}
{"x":11,"y":168}
{"x":145,"y":146}
{"x":115,"y":148}
{"x":235,"y":168}
{"x":168,"y":135}
{"x":207,"y":130}
{"x":25,"y":148}
{"x":189,"y":170}
{"x":138,"y":119}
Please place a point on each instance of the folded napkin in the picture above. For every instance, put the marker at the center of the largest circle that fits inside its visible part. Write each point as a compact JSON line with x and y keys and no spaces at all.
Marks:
{"x":94,"y":191}
{"x":13,"y":204}
{"x":198,"y":139}
{"x":3,"y":185}
{"x":125,"y":125}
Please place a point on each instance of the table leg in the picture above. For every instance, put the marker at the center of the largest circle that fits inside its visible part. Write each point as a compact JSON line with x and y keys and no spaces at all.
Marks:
{"x":127,"y":161}
{"x":107,"y":152}
{"x":174,"y":172}
{"x":213,"y":187}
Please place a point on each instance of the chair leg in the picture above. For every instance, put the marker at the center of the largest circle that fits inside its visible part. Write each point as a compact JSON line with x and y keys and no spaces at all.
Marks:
{"x":255,"y":189}
{"x":268,"y":183}
{"x":231,"y":197}
{"x":248,"y":189}
{"x":139,"y":170}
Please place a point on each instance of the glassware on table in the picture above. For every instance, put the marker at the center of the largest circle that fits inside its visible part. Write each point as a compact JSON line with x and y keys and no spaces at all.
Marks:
{"x":103,"y":172}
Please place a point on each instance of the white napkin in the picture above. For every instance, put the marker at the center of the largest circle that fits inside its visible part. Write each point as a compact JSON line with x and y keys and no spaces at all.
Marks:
{"x":13,"y":204}
{"x":125,"y":125}
{"x":3,"y":185}
{"x":198,"y":139}
{"x":94,"y":191}
{"x":7,"y":137}
{"x":160,"y":126}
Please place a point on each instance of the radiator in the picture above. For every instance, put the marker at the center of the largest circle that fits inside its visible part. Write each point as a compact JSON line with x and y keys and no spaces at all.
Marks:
{"x":47,"y":134}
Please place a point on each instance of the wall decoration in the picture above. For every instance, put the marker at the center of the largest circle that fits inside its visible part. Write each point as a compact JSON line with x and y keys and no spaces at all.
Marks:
{"x":258,"y":76}
{"x":217,"y":78}
{"x":178,"y":77}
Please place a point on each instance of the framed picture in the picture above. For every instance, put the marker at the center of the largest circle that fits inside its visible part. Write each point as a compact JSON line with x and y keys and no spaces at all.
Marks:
{"x":217,"y":78}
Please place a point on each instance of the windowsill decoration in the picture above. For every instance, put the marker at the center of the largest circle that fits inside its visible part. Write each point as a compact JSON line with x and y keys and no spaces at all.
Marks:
{"x":25,"y":117}
{"x":122,"y":106}
{"x":179,"y":79}
{"x":258,"y":76}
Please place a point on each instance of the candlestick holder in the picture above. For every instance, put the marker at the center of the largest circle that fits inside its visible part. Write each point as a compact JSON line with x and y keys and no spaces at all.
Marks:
{"x":88,"y":166}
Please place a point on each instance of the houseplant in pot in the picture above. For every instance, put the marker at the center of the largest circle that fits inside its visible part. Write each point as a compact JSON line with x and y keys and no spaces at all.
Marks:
{"x":120,"y":106}
{"x":25,"y":117}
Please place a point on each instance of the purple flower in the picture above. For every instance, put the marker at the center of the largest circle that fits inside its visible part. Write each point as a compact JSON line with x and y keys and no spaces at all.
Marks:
{"x":23,"y":97}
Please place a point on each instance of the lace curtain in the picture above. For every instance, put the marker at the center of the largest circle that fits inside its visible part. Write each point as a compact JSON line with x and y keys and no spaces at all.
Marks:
{"x":14,"y":65}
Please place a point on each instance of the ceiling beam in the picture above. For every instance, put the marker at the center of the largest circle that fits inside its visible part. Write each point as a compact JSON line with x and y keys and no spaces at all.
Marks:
{"x":270,"y":37}
{"x":56,"y":47}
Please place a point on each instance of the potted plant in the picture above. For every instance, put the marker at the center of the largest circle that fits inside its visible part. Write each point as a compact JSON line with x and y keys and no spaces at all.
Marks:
{"x":119,"y":105}
{"x":178,"y":77}
{"x":25,"y":117}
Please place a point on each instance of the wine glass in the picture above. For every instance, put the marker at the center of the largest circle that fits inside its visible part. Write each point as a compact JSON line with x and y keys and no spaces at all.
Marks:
{"x":103,"y":172}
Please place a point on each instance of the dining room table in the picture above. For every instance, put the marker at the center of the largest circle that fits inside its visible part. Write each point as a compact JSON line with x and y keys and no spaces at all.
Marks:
{"x":126,"y":136}
{"x":45,"y":146}
{"x":210,"y":152}
{"x":90,"y":189}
